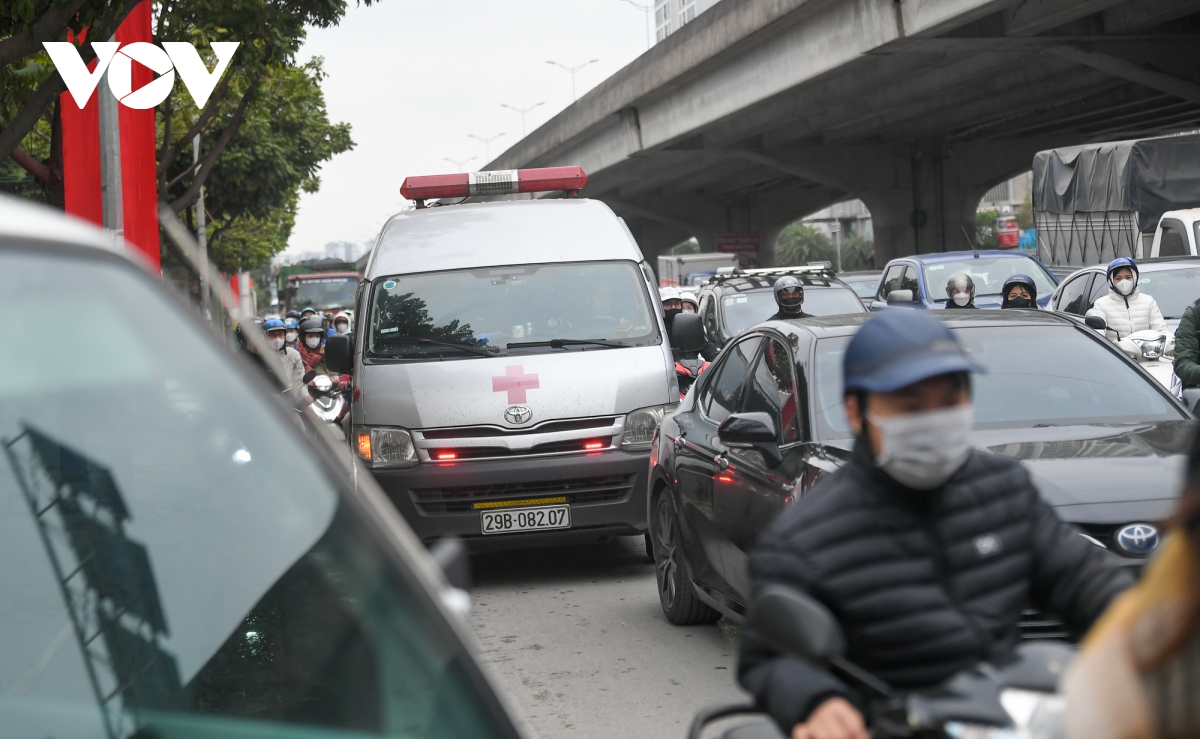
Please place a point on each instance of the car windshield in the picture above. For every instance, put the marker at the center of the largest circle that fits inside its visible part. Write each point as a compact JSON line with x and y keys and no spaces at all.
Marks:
{"x":989,"y":275}
{"x":322,"y":293}
{"x":1173,"y":289}
{"x":489,"y":308}
{"x":174,"y":559}
{"x":1035,"y":375}
{"x":746,"y":309}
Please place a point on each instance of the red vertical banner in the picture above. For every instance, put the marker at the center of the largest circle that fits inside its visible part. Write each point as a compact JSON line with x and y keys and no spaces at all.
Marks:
{"x":139,"y":185}
{"x":81,"y":155}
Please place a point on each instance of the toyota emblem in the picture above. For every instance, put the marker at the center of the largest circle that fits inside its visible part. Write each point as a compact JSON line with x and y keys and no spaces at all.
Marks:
{"x":1137,"y":538}
{"x":518,"y":414}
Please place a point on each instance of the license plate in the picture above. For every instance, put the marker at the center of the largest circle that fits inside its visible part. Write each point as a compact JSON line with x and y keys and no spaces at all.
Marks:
{"x":525,"y":519}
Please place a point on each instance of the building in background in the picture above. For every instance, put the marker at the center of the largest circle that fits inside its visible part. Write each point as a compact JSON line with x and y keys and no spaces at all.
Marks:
{"x":671,"y":15}
{"x":1008,"y":196}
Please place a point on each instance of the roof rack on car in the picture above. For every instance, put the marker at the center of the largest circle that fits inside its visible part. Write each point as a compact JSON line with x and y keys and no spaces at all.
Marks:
{"x":812,"y":269}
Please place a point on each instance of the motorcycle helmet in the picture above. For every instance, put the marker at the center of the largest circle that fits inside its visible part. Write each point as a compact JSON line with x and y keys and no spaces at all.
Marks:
{"x":291,"y":324}
{"x":1117,"y":264}
{"x":689,"y":298}
{"x":273,"y":324}
{"x":311,"y":326}
{"x":293,"y":314}
{"x":958,"y":284}
{"x":668,"y":293}
{"x":791,"y":302}
{"x":254,"y":323}
{"x":1027,"y":282}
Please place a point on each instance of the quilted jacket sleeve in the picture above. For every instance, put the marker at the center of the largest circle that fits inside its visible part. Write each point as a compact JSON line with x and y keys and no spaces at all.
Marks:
{"x":787,"y":688}
{"x":1156,"y":317}
{"x":1187,"y":350}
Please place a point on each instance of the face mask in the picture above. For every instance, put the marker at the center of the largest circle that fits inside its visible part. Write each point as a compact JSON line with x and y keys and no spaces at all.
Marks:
{"x":343,"y":328}
{"x":922,"y":450}
{"x":276,"y":344}
{"x":1124,"y":286}
{"x":961,"y":299}
{"x":1020,"y":303}
{"x":291,"y":337}
{"x":312,"y":341}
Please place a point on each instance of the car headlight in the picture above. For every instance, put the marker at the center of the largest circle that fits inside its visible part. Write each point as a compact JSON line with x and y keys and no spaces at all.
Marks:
{"x":1151,"y":348}
{"x":385,"y":447}
{"x":640,"y":425}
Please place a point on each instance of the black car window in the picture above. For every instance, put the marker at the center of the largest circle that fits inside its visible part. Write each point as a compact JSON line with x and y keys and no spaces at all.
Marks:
{"x":1074,"y":295}
{"x":1100,"y":288}
{"x":772,"y":390}
{"x":909,"y":281}
{"x":892,"y":281}
{"x":1174,"y":239}
{"x":708,"y":312}
{"x":173,"y":558}
{"x":723,"y":392}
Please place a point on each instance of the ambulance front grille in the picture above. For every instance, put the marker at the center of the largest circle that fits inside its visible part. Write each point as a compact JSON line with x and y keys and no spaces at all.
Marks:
{"x":578,"y":491}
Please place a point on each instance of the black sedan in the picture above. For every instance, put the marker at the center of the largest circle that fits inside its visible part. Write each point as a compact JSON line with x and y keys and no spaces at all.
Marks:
{"x":1105,"y":443}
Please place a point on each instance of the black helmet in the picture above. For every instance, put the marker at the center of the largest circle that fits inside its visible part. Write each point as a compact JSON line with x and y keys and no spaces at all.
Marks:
{"x":254,"y":323}
{"x":1024,"y":280}
{"x":789,"y":283}
{"x":311,"y":325}
{"x":960,"y":283}
{"x":293,"y":314}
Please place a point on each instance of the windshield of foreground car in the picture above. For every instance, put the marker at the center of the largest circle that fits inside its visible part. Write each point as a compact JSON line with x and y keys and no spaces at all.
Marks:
{"x":1173,"y":289}
{"x":746,"y":309}
{"x":1036,"y":375}
{"x":325,"y":293}
{"x":989,"y":275}
{"x":488,"y":308}
{"x":174,"y":561}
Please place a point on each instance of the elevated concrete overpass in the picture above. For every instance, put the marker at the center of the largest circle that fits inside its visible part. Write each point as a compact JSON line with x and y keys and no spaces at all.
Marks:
{"x":761,"y":111}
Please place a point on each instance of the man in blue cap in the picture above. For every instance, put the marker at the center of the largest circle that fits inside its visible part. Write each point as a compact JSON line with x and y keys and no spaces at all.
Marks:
{"x":925,"y":549}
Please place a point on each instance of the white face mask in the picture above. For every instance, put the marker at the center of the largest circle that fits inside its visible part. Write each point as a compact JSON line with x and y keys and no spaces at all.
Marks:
{"x":1124,"y":286}
{"x":962,"y":298}
{"x":291,"y":336}
{"x":277,"y":344}
{"x":312,"y":341}
{"x":922,"y":450}
{"x":343,"y":328}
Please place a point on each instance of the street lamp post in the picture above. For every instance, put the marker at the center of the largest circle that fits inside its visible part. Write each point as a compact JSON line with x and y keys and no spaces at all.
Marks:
{"x":460,"y":163}
{"x":522,"y":111}
{"x":573,"y":70}
{"x":487,"y":157}
{"x":645,"y":9}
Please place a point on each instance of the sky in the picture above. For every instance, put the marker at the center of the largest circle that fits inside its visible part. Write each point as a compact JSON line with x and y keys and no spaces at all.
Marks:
{"x":414,"y":78}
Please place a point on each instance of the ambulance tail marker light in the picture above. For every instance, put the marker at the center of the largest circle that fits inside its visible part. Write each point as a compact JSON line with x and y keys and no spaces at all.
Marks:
{"x":499,"y":182}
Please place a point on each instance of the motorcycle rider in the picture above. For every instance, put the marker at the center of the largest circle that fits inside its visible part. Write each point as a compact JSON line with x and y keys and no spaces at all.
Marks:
{"x":311,"y":346}
{"x":1019,"y":291}
{"x":960,"y":292}
{"x":688,"y":302}
{"x":293,"y":366}
{"x":926,"y":550}
{"x":672,"y":305}
{"x":789,"y":296}
{"x":291,"y":333}
{"x":341,"y":324}
{"x":1125,"y":308}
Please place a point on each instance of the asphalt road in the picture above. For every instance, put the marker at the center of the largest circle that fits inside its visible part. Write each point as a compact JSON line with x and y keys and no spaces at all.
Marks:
{"x":578,"y":641}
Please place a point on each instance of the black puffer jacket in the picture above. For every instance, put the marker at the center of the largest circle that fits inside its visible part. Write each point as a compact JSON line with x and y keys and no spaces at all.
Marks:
{"x":924,"y":584}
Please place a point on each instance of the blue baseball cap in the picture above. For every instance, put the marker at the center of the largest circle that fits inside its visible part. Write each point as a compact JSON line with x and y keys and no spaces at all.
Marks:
{"x":897,"y":348}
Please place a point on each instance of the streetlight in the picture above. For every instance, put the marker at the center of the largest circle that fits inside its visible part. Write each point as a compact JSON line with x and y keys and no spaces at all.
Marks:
{"x":460,"y":163}
{"x":487,"y":157}
{"x":645,"y":9}
{"x":522,"y":111}
{"x":573,"y":70}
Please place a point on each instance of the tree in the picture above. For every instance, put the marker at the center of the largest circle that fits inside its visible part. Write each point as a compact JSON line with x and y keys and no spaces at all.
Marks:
{"x":799,"y":244}
{"x":985,"y":233}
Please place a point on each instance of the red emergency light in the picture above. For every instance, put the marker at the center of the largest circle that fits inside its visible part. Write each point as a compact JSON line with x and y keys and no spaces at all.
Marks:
{"x":499,"y":182}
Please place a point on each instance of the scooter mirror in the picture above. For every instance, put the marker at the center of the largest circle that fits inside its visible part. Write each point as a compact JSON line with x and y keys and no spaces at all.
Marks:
{"x":687,"y":332}
{"x":339,"y":354}
{"x":793,"y":623}
{"x":1096,"y":322}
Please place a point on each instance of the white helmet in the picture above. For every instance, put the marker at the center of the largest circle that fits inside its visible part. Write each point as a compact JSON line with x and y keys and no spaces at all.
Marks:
{"x":669,"y":292}
{"x":689,"y":297}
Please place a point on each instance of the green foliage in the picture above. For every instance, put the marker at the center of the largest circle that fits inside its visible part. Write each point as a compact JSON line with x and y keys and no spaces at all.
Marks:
{"x":1025,"y":213}
{"x":799,"y":244}
{"x":985,"y":235}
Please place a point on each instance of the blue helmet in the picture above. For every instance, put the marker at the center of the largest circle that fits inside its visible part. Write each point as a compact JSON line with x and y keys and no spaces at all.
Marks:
{"x":291,"y":323}
{"x":897,"y":348}
{"x":1117,"y":264}
{"x":273,"y":324}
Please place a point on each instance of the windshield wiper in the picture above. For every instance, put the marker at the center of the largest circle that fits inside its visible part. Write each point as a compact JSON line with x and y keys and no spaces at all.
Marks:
{"x":560,"y":343}
{"x":452,"y":345}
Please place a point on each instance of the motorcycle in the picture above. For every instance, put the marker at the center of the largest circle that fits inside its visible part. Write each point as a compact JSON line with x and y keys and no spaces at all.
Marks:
{"x":1153,"y":350}
{"x":329,"y":401}
{"x":1015,"y":699}
{"x":687,"y":339}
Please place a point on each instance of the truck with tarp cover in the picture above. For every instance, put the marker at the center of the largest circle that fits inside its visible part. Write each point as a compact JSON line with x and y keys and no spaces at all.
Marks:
{"x":1096,"y":202}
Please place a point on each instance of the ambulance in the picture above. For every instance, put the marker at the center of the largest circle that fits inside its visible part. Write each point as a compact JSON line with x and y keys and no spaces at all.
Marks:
{"x":510,"y":361}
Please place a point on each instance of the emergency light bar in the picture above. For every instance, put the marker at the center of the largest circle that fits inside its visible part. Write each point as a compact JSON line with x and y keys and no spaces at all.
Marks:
{"x":499,"y":182}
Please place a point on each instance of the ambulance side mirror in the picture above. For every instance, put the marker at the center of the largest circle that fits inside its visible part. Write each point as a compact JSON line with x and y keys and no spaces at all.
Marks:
{"x":339,"y":354}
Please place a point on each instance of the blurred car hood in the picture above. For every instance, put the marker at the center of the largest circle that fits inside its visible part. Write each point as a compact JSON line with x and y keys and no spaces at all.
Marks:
{"x":1100,"y":473}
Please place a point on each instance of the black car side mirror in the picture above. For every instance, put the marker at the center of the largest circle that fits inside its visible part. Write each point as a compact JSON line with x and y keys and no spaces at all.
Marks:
{"x":752,"y":431}
{"x":339,"y":354}
{"x":1096,"y":322}
{"x":687,"y":332}
{"x":793,"y":623}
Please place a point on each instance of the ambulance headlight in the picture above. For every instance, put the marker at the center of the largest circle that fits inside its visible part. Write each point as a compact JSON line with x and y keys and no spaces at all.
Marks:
{"x":640,"y":425}
{"x":385,"y":447}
